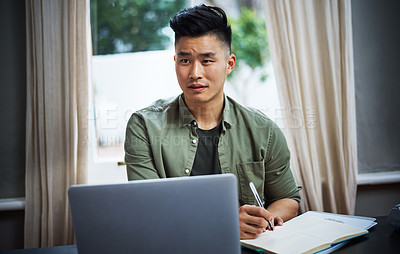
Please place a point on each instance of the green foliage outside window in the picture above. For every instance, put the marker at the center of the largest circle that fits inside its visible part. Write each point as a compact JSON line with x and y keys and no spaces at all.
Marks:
{"x":121,"y":26}
{"x":249,"y":41}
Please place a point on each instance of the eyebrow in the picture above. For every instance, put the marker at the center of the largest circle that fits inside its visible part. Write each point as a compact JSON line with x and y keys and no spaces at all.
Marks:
{"x":206,"y":54}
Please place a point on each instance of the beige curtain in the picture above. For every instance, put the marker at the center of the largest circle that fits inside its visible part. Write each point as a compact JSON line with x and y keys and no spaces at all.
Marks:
{"x":56,"y":120}
{"x":311,"y":50}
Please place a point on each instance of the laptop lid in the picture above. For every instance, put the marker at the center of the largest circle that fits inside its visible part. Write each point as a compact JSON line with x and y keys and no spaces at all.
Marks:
{"x":197,"y":214}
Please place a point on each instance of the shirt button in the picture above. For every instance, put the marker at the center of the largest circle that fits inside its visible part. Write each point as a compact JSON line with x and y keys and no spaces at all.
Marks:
{"x":195,"y":123}
{"x":187,"y":171}
{"x":194,"y":141}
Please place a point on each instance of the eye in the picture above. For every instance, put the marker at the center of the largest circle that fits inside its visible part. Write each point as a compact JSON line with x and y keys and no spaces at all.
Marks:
{"x":207,"y":61}
{"x":184,"y":61}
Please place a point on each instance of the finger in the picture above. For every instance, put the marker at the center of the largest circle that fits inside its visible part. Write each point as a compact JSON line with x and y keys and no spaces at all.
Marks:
{"x":256,"y":221}
{"x":250,"y":229}
{"x":254,"y":215}
{"x":244,"y":235}
{"x":278,"y":221}
{"x":258,"y":212}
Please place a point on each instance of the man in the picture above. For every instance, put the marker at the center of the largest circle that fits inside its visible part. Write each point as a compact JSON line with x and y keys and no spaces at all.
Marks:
{"x":202,"y":131}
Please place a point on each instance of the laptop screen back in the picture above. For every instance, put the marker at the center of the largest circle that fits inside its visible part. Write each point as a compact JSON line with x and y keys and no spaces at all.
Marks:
{"x":175,"y":215}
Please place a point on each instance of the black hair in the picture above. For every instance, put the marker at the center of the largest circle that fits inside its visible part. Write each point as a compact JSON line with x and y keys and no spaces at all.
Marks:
{"x":202,"y":20}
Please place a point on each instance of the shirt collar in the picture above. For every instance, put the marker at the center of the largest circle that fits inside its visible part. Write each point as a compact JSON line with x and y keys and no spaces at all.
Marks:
{"x":227,"y":117}
{"x":186,"y":117}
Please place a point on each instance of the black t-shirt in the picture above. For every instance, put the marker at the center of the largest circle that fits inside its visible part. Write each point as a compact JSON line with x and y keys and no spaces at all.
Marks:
{"x":206,"y":160}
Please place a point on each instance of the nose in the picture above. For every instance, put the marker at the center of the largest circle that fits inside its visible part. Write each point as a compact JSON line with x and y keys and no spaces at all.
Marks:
{"x":196,"y":72}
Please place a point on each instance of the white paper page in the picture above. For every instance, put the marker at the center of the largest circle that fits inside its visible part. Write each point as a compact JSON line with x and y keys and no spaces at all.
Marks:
{"x":322,"y":228}
{"x":281,"y":241}
{"x":357,"y":221}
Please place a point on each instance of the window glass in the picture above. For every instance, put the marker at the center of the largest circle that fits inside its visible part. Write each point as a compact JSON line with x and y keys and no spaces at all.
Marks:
{"x":132,"y":64}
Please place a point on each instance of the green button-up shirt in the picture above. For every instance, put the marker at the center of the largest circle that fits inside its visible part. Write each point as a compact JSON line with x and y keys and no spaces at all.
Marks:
{"x":161,"y":141}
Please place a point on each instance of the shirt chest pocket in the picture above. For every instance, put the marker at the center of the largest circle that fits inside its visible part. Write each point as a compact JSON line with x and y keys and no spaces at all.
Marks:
{"x":250,"y":172}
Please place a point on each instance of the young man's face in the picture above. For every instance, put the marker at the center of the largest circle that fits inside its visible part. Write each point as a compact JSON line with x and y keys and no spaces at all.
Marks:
{"x":202,"y":64}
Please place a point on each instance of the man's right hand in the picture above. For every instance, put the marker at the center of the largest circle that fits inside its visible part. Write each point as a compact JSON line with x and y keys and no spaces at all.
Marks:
{"x":253,"y":221}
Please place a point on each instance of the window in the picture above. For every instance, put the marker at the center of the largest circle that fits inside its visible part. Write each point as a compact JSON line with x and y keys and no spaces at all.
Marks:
{"x":377,"y":105}
{"x":133,"y":66}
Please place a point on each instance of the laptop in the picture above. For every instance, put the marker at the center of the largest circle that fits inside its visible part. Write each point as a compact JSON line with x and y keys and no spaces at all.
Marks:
{"x":197,"y":214}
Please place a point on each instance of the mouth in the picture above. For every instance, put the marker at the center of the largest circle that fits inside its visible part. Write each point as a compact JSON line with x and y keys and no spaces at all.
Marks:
{"x":197,"y":87}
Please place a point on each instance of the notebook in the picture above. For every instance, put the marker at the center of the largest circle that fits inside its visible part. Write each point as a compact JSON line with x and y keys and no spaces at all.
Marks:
{"x":307,"y":234}
{"x":197,"y":214}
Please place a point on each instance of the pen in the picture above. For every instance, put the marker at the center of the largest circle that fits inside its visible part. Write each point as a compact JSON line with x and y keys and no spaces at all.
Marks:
{"x":260,"y":203}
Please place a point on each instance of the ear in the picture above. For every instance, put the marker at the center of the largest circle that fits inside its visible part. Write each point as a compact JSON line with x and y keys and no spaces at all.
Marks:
{"x":230,"y":64}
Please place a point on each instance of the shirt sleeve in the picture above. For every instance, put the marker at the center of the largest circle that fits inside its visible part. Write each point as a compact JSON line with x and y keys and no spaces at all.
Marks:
{"x":138,"y":155}
{"x":279,"y":180}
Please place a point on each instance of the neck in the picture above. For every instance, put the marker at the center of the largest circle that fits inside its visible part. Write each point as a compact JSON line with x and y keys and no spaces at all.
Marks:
{"x":208,"y":115}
